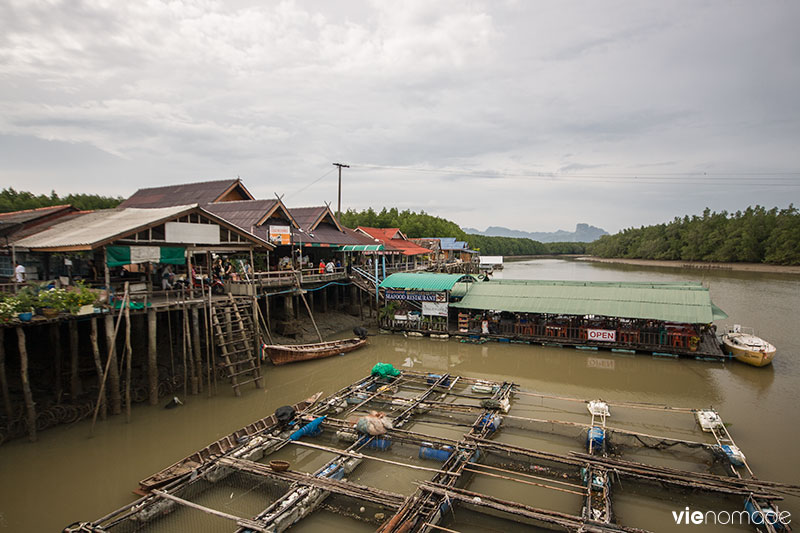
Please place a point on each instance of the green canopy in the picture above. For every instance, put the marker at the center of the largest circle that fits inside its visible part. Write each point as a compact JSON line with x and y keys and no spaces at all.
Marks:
{"x":686,"y":303}
{"x":424,"y":281}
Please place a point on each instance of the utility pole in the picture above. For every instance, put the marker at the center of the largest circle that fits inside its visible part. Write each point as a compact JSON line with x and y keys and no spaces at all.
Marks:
{"x":339,"y":207}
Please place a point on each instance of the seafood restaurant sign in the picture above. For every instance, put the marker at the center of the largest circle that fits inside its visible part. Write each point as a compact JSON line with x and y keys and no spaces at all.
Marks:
{"x":607,"y":335}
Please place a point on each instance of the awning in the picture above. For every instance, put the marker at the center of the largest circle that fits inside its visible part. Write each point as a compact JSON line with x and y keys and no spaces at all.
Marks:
{"x":127,"y":255}
{"x":362,"y":248}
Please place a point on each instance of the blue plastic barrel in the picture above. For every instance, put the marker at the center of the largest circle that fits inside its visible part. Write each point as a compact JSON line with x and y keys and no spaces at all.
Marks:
{"x":433,"y":454}
{"x":490,"y":422}
{"x":595,"y":438}
{"x":433,"y":378}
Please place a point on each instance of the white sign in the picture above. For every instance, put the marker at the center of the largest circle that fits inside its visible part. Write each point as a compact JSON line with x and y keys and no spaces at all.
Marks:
{"x":491,"y":259}
{"x":191,"y":233}
{"x":280,"y":235}
{"x":434,"y":309}
{"x":607,"y":335}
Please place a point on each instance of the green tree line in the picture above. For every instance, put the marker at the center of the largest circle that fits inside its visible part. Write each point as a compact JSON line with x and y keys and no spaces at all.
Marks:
{"x":421,"y":224}
{"x":755,"y":235}
{"x":12,"y":200}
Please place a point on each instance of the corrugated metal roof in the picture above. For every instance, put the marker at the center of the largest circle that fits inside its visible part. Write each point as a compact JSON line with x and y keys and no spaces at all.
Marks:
{"x":681,"y":302}
{"x":423,"y":281}
{"x":28,"y":215}
{"x":245,"y":213}
{"x":201,"y":193}
{"x":98,"y":226}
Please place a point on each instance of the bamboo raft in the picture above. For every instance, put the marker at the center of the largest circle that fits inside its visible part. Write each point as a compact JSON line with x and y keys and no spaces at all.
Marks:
{"x":484,"y":409}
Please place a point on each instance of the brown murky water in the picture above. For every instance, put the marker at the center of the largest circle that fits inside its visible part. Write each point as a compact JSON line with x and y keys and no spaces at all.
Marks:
{"x":68,"y":476}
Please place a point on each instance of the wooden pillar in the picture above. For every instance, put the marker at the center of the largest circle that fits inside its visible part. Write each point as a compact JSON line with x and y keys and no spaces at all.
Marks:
{"x":323,"y":294}
{"x":55,"y":347}
{"x":353,"y":290}
{"x":310,"y":298}
{"x":266,"y":311}
{"x":75,"y":388}
{"x":3,"y":381}
{"x":98,"y":364}
{"x":189,"y":355}
{"x":198,"y":360}
{"x":336,"y":297}
{"x":30,"y":407}
{"x":113,"y":371}
{"x":152,"y":355}
{"x":360,"y":306}
{"x":296,"y":306}
{"x":288,"y":303}
{"x":128,"y":365}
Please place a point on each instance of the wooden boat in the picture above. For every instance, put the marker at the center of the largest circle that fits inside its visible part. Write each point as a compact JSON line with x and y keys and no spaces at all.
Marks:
{"x":746,"y":347}
{"x":216,"y":449}
{"x":281,"y":354}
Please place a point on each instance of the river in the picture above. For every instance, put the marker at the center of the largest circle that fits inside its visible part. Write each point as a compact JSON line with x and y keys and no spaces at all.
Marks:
{"x":68,"y":476}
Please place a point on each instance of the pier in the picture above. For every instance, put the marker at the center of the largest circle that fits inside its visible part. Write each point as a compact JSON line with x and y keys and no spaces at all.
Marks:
{"x":450,"y":434}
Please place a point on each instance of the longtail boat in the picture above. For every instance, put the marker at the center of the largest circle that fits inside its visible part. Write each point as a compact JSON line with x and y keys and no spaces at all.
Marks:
{"x":281,"y":354}
{"x":216,"y":449}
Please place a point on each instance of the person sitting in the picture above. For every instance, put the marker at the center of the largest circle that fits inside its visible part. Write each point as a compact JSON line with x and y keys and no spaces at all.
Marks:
{"x":167,"y":278}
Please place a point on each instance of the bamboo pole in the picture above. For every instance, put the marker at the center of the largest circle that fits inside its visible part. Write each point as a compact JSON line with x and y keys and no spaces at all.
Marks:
{"x":102,"y":400}
{"x":198,"y":359}
{"x":242,"y":522}
{"x":509,"y":478}
{"x":75,"y":389}
{"x":357,"y":455}
{"x":111,"y":363}
{"x":112,"y":372}
{"x":128,"y":365}
{"x":30,"y":406}
{"x":171,"y":351}
{"x":183,"y":347}
{"x":207,"y":316}
{"x":3,"y":381}
{"x":310,"y":314}
{"x":152,"y":356}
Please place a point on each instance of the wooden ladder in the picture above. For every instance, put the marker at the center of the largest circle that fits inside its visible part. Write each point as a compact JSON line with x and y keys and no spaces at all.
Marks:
{"x":234,"y":333}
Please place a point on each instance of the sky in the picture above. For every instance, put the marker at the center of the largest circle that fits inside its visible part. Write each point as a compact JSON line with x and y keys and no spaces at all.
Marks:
{"x":529,"y":115}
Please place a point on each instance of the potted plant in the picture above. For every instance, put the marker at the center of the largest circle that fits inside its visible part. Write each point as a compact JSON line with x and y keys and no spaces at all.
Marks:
{"x":86,"y":299}
{"x":26,"y":299}
{"x":52,"y":302}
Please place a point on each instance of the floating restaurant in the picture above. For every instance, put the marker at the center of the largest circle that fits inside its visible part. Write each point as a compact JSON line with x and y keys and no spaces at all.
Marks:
{"x":659,"y":318}
{"x":419,"y":452}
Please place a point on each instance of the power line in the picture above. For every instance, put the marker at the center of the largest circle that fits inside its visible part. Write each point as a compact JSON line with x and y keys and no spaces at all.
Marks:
{"x":775,"y":178}
{"x":301,"y":189}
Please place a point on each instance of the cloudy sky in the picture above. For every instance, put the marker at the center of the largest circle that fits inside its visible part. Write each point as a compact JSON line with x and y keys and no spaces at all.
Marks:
{"x":530,"y":115}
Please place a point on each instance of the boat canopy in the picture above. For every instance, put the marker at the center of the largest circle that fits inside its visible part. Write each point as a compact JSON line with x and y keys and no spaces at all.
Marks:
{"x":681,"y":302}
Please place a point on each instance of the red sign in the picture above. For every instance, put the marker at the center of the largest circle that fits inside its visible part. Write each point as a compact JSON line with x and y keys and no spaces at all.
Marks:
{"x":607,"y":335}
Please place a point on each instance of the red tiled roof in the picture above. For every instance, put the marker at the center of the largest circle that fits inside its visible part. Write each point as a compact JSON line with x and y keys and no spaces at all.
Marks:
{"x":389,"y":237}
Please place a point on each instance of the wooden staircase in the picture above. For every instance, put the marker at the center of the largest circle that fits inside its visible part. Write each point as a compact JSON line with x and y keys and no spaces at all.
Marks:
{"x":235,"y":337}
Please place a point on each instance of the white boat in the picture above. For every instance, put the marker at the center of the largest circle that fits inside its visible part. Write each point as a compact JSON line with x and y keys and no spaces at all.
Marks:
{"x":742,"y":344}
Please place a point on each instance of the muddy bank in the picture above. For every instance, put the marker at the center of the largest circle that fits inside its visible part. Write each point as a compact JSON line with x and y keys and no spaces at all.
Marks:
{"x":739,"y":267}
{"x":332,"y":325}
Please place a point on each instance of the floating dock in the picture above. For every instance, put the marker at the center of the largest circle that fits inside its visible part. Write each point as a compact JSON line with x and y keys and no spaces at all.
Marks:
{"x":458,"y":447}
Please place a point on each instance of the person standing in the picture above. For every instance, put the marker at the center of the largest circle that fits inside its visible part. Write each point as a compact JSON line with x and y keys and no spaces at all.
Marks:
{"x":321,"y":266}
{"x":19,"y":273}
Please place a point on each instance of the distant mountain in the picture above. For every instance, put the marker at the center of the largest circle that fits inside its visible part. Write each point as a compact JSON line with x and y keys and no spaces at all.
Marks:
{"x":582,"y":233}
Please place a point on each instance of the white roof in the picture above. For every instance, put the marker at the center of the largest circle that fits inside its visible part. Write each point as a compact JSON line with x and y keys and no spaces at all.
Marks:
{"x":492,"y":259}
{"x":99,"y":226}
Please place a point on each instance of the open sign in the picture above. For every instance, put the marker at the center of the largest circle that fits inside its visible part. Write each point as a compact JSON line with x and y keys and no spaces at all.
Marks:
{"x":606,"y":335}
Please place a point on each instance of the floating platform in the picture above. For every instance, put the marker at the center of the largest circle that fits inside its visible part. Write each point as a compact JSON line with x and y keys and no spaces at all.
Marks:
{"x":457,"y":448}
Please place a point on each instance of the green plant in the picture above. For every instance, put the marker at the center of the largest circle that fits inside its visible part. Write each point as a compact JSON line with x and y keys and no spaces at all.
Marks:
{"x":53,"y":298}
{"x":26,"y":299}
{"x":389,"y":310}
{"x":86,"y":296}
